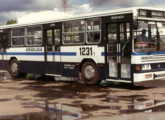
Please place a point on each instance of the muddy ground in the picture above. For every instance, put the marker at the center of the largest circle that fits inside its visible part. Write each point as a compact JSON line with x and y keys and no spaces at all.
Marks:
{"x":45,"y":99}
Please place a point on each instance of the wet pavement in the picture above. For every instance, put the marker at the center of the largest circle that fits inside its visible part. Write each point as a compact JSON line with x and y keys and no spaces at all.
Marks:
{"x":42,"y":98}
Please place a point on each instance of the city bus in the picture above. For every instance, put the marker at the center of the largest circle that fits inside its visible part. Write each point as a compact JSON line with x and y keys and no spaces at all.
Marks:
{"x":98,"y":46}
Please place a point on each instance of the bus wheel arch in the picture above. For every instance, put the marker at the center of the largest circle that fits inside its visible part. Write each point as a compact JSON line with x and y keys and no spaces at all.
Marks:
{"x":90,"y":72}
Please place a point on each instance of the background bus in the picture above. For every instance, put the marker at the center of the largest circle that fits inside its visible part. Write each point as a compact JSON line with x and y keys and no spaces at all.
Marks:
{"x":94,"y":47}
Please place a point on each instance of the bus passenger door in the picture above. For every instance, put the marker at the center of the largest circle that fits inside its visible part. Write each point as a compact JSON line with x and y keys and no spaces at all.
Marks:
{"x":119,"y":50}
{"x":3,"y":45}
{"x":53,"y":56}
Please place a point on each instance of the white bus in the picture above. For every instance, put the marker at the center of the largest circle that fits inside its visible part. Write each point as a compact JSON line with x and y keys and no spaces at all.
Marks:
{"x":125,"y":45}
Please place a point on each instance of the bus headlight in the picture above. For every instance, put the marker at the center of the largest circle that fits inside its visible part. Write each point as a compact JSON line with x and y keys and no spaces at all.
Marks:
{"x":146,"y":67}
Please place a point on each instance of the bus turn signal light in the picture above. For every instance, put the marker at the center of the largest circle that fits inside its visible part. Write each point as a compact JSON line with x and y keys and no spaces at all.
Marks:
{"x":138,"y":67}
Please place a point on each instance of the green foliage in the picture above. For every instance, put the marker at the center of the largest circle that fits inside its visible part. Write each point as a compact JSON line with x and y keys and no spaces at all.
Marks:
{"x":11,"y":22}
{"x":30,"y":76}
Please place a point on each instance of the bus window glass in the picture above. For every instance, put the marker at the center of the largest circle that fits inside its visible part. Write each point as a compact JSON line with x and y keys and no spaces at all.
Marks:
{"x":93,"y":37}
{"x":18,"y":32}
{"x":18,"y":41}
{"x":78,"y":26}
{"x":4,"y":40}
{"x":93,"y":24}
{"x":146,"y":37}
{"x":74,"y":32}
{"x":57,"y":34}
{"x":49,"y":37}
{"x":68,"y":27}
{"x":93,"y":31}
{"x":18,"y":36}
{"x":161,"y":28}
{"x":34,"y":35}
{"x":122,"y":35}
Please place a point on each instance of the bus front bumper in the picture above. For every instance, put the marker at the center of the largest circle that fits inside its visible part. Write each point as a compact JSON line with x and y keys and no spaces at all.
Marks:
{"x":142,"y":77}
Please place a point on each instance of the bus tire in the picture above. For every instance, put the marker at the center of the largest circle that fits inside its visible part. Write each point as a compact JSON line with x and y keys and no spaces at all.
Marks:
{"x":14,"y":68}
{"x":90,"y":74}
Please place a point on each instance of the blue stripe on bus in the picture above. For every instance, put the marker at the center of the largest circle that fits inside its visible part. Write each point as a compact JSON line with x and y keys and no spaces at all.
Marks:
{"x":149,"y":53}
{"x":118,"y":54}
{"x":63,"y":53}
{"x":41,"y":53}
{"x":102,"y":53}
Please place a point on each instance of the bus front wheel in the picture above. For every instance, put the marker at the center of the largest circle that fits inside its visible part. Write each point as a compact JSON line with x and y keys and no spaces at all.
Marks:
{"x":90,"y":73}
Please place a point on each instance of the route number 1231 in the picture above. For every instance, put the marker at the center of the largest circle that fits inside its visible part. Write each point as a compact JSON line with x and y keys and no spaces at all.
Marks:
{"x":86,"y":51}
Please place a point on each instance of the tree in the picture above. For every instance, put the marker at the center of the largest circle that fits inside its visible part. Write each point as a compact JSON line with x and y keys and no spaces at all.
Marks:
{"x":11,"y":22}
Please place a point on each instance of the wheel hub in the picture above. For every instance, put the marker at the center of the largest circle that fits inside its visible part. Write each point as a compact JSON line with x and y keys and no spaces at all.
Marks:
{"x":89,"y":72}
{"x":14,"y":67}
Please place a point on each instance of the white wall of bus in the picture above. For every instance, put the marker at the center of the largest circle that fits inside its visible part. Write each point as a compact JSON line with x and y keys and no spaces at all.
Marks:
{"x":96,"y":56}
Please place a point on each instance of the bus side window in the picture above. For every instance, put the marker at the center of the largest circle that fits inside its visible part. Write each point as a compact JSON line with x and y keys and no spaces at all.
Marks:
{"x":74,"y":32}
{"x":93,"y":30}
{"x":34,"y":36}
{"x":4,"y":40}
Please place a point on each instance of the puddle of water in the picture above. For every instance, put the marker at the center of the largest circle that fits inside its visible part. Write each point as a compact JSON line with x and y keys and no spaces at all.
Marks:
{"x":51,"y":111}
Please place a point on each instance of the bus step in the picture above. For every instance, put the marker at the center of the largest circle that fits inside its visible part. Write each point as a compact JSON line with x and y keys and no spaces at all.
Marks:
{"x":55,"y":75}
{"x":122,"y":81}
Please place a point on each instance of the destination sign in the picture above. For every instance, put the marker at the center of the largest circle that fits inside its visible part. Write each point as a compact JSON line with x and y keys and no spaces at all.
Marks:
{"x":152,"y":14}
{"x":117,"y":17}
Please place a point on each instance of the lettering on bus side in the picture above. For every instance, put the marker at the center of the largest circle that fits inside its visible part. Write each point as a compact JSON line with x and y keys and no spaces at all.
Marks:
{"x":69,"y":66}
{"x":86,"y":51}
{"x":33,"y":49}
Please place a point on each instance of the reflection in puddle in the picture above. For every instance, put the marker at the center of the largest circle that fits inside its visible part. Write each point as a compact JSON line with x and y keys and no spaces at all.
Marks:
{"x":112,"y":99}
{"x":51,"y":112}
{"x":61,"y":111}
{"x":150,"y":106}
{"x":145,"y":106}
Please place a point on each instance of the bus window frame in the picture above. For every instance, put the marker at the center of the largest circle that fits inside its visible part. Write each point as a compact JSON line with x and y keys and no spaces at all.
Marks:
{"x":135,"y":30}
{"x":34,"y":35}
{"x":18,"y":37}
{"x":88,"y":31}
{"x":64,"y":33}
{"x":26,"y":36}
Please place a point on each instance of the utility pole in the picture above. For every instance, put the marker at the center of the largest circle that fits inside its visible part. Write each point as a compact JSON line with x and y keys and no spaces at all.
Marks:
{"x":65,"y":5}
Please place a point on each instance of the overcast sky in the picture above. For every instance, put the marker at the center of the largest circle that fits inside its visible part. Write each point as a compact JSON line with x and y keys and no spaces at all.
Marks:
{"x":33,"y":10}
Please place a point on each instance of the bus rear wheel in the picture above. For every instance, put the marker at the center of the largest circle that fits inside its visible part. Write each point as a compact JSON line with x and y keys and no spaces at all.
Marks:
{"x":90,"y":73}
{"x":14,"y":69}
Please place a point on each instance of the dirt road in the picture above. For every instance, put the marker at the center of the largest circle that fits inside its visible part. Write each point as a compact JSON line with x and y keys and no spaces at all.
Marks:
{"x":39,"y":99}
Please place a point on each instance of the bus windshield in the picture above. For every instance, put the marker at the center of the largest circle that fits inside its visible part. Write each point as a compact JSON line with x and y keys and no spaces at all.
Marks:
{"x":150,"y":36}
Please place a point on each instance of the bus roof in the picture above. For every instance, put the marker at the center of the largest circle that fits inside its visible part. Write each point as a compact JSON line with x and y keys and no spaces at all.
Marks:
{"x":84,"y":16}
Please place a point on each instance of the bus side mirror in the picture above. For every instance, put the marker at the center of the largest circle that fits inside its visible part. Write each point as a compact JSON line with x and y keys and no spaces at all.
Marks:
{"x":135,"y":25}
